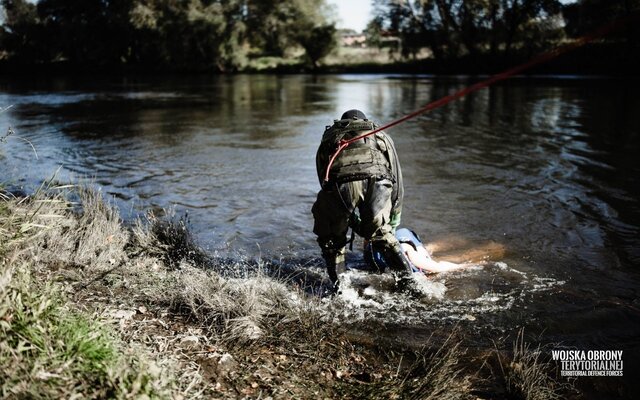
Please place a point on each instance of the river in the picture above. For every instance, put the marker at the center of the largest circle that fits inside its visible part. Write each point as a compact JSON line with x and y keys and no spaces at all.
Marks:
{"x":546,"y":167}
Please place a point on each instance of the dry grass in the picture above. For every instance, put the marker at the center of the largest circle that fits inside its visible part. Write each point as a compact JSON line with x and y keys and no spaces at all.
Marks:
{"x":526,"y":375}
{"x":48,"y":349}
{"x":149,"y":299}
{"x":433,"y":372}
{"x":170,"y":241}
{"x":236,"y":309}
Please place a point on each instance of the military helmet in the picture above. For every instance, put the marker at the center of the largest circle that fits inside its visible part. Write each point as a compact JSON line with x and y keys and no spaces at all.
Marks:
{"x":353,"y":114}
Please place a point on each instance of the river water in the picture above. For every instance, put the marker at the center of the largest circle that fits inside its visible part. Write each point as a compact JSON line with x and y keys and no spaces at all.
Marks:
{"x":546,"y":167}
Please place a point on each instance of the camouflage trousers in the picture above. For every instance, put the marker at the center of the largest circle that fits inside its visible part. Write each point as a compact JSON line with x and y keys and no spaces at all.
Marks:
{"x":364,"y":205}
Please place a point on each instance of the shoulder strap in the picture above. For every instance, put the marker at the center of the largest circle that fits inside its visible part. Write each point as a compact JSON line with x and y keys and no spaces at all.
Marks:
{"x":346,"y":128}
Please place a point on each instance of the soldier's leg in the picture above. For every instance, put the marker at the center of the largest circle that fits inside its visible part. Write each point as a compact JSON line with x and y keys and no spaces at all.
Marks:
{"x":375,"y":213}
{"x":331,"y":213}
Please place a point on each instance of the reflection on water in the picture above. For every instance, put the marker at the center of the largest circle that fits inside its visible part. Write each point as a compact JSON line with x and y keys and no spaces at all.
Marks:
{"x":546,"y":167}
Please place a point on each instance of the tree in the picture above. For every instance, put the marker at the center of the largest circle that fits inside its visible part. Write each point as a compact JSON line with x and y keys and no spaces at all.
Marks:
{"x":317,"y":41}
{"x":86,"y":32}
{"x":585,"y":16}
{"x":20,"y":32}
{"x":279,"y":25}
{"x":452,"y":28}
{"x":161,"y":34}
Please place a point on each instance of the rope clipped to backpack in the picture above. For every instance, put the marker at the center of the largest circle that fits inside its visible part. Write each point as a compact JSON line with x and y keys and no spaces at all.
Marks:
{"x":542,"y":58}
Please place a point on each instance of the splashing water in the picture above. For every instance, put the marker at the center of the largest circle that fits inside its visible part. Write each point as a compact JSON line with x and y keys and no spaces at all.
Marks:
{"x":453,"y":296}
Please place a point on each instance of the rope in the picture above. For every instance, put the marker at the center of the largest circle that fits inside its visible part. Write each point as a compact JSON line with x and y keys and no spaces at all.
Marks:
{"x":542,"y":58}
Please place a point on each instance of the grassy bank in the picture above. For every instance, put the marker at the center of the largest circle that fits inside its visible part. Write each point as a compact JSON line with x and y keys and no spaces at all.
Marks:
{"x":94,"y":309}
{"x":594,"y":59}
{"x":50,"y":347}
{"x":611,"y":59}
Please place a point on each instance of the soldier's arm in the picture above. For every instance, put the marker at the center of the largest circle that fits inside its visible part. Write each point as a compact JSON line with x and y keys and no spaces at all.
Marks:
{"x":319,"y":165}
{"x":398,"y":189}
{"x":321,"y":162}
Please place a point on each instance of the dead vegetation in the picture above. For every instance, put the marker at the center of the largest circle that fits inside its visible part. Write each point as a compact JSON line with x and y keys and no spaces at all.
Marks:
{"x":167,"y":321}
{"x":49,"y":349}
{"x":523,"y":373}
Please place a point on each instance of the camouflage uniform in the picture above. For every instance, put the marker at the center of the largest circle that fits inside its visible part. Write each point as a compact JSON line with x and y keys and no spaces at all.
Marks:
{"x":364,"y":192}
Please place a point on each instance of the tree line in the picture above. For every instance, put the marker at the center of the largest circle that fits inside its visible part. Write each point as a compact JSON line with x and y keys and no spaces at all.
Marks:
{"x":455,"y":28}
{"x":162,"y":34}
{"x":222,"y":35}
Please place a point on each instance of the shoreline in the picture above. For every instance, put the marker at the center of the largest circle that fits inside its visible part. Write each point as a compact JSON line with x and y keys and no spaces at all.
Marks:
{"x":210,"y":334}
{"x":615,"y":60}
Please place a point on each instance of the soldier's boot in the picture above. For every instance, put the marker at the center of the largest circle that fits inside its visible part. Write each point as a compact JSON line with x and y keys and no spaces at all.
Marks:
{"x":335,"y":263}
{"x":396,"y":261}
{"x":404,"y":273}
{"x":392,"y":254}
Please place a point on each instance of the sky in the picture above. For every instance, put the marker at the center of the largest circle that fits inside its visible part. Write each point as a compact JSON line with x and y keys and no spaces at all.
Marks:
{"x":352,"y":14}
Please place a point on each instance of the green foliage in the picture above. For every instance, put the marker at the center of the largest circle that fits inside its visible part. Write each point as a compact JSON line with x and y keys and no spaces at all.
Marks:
{"x":452,"y":28}
{"x":158,"y":34}
{"x":585,"y":16}
{"x":317,"y":41}
{"x":19,"y":34}
{"x":48,"y":351}
{"x":277,"y":26}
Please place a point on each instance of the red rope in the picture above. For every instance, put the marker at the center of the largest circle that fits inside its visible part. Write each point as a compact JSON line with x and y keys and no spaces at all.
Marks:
{"x":542,"y":58}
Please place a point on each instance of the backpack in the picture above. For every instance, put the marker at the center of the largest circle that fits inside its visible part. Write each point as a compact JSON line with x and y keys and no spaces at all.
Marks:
{"x":362,"y":159}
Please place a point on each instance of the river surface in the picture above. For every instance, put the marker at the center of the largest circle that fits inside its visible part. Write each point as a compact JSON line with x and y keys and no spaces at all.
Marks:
{"x":546,"y":167}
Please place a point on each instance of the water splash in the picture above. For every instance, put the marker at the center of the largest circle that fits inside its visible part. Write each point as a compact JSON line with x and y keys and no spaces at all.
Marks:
{"x":481,"y":290}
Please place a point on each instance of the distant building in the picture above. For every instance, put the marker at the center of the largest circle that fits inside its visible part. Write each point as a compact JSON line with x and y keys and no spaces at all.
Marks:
{"x":351,"y":38}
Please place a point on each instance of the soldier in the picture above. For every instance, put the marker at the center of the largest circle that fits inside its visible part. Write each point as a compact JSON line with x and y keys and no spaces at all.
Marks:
{"x":364,"y":192}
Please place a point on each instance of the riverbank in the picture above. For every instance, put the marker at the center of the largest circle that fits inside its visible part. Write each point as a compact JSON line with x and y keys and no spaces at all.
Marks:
{"x":596,"y":59}
{"x":615,"y":59}
{"x":93,"y":308}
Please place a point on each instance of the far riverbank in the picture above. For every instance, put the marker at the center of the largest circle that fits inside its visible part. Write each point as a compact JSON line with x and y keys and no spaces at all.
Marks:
{"x":600,"y":59}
